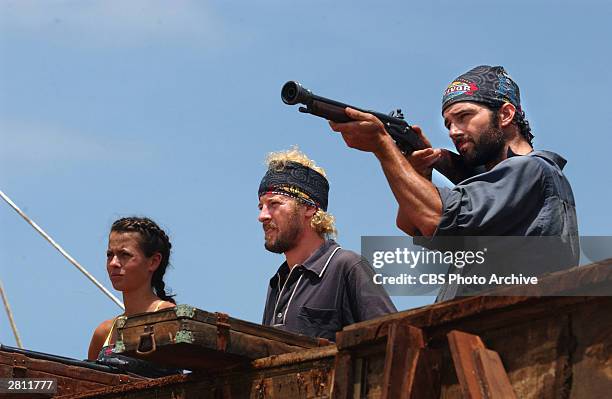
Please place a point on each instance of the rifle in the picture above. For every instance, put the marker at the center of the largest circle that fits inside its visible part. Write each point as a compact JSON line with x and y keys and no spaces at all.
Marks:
{"x":450,"y":164}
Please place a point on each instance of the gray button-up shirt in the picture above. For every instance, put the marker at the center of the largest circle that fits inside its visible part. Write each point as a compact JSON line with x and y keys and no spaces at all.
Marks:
{"x":524,"y":195}
{"x":331,"y":289}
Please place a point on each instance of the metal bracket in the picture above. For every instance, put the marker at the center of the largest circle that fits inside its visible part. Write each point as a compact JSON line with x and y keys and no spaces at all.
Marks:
{"x":183,"y":337}
{"x":183,"y":310}
{"x":119,"y":347}
{"x":121,"y":320}
{"x":20,"y":369}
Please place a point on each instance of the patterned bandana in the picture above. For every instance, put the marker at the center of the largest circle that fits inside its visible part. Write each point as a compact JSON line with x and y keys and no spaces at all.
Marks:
{"x":483,"y":84}
{"x":297,"y":181}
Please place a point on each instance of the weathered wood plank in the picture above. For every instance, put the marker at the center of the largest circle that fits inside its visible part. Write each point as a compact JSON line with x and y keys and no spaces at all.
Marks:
{"x":570,"y":281}
{"x":480,"y":371}
{"x":589,"y":351}
{"x":404,"y":344}
{"x":71,"y":379}
{"x":493,"y":375}
{"x":426,"y":384}
{"x":343,"y":376}
{"x":33,"y":365}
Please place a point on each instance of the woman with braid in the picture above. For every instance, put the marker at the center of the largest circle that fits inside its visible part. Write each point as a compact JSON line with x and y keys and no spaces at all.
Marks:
{"x":136,"y":260}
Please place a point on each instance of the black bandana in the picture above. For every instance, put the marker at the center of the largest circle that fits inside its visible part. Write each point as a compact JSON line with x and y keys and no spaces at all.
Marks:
{"x":297,"y":181}
{"x":483,"y":84}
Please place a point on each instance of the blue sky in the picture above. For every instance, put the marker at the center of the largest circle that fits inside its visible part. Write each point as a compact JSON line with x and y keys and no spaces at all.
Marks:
{"x":167,"y":109}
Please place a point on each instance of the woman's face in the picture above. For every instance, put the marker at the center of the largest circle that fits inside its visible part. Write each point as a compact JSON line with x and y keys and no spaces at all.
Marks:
{"x":127,"y":265}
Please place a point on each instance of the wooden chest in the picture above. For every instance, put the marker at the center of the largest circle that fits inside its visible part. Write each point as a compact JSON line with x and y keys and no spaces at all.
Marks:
{"x":190,"y":338}
{"x":304,"y":374}
{"x":73,"y":376}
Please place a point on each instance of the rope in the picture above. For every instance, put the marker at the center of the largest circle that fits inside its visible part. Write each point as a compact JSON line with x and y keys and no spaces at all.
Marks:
{"x":61,"y":250}
{"x":10,"y":316}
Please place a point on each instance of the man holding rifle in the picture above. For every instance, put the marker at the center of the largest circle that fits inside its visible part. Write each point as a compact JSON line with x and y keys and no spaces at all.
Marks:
{"x":520,"y":192}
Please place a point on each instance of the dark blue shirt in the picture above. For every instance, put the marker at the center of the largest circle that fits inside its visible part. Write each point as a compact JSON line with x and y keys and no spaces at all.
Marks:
{"x":331,"y":289}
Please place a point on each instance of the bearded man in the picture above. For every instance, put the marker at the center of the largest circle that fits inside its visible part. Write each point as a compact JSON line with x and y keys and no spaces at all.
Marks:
{"x":320,"y":288}
{"x":516,"y":192}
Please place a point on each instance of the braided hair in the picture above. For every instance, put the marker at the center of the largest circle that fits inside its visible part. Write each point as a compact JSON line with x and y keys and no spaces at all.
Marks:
{"x":152,"y":239}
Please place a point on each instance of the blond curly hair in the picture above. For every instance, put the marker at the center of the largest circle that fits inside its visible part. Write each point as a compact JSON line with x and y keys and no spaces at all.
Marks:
{"x":323,"y":222}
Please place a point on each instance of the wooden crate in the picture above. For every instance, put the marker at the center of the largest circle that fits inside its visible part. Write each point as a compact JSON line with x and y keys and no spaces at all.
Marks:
{"x":187,"y":337}
{"x":306,"y":374}
{"x":544,"y":347}
{"x":73,"y":376}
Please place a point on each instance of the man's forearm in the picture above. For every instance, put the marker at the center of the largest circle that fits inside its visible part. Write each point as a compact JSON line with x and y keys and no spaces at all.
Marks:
{"x":418,"y":199}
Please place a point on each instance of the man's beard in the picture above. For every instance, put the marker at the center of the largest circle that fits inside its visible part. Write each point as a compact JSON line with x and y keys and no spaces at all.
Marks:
{"x":489,"y":146}
{"x":287,"y":239}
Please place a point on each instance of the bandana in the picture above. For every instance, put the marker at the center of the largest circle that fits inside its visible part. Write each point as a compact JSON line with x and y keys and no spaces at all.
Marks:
{"x":297,"y":181}
{"x":483,"y":84}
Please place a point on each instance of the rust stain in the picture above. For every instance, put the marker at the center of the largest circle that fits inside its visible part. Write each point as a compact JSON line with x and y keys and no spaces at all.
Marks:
{"x":260,"y":390}
{"x":319,"y":381}
{"x":301,"y":383}
{"x":295,"y":357}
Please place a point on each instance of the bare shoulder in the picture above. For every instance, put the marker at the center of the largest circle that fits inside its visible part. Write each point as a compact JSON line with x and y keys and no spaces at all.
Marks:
{"x":166,"y":305}
{"x":98,"y":338}
{"x":103,"y":329}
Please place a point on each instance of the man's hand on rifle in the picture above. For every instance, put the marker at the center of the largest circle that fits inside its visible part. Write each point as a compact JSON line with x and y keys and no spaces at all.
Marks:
{"x":422,"y":160}
{"x":420,"y":206}
{"x":365,"y":133}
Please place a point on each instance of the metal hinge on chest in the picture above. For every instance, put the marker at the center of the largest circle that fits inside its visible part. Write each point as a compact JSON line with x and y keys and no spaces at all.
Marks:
{"x":20,"y":368}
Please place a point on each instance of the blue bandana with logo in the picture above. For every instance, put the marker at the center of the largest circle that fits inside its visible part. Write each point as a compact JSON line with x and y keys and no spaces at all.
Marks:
{"x":484,"y":84}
